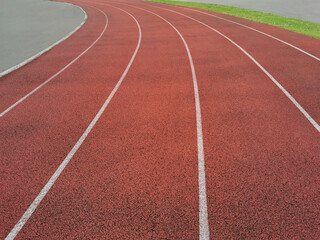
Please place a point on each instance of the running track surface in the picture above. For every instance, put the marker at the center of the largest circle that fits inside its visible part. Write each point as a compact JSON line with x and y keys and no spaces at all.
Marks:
{"x":135,"y":175}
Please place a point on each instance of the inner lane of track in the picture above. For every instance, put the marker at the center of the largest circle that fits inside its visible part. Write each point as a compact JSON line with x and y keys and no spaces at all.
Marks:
{"x":136,"y":174}
{"x":41,"y":131}
{"x":16,"y":85}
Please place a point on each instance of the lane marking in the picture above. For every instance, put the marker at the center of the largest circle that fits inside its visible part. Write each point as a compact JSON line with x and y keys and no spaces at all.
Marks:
{"x":253,"y":29}
{"x":9,"y":70}
{"x":55,"y":75}
{"x":62,"y":166}
{"x":204,"y":233}
{"x":304,"y":112}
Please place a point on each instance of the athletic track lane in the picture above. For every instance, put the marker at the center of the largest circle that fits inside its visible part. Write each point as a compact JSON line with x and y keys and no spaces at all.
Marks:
{"x":38,"y":134}
{"x":259,"y":149}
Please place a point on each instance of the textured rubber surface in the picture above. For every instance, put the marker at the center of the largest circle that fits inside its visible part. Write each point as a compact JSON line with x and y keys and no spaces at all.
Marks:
{"x":136,"y":174}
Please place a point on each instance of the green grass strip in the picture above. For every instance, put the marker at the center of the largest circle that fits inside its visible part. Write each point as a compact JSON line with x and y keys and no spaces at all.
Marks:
{"x":295,"y":25}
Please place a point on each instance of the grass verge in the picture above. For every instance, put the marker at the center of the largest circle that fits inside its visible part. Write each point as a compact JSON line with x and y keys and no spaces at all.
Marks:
{"x":295,"y":25}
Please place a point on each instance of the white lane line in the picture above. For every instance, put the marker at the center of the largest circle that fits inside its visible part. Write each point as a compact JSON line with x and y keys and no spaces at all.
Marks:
{"x":5,"y":72}
{"x":253,"y":29}
{"x":62,"y":166}
{"x":304,"y":112}
{"x":204,"y":233}
{"x":56,"y":74}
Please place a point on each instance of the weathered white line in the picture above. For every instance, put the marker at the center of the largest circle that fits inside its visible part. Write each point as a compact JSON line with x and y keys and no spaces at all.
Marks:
{"x":5,"y":72}
{"x":62,"y":166}
{"x":56,"y":74}
{"x":204,"y":233}
{"x":253,"y":29}
{"x":304,"y":112}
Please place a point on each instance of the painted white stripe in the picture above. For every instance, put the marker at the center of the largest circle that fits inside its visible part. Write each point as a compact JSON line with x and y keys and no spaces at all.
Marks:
{"x":57,"y":173}
{"x":204,"y":233}
{"x":56,"y":74}
{"x":9,"y":70}
{"x":304,"y":112}
{"x":253,"y":29}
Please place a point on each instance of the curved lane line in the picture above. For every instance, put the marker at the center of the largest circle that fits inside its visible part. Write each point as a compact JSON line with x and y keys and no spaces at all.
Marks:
{"x":56,"y":74}
{"x":65,"y":162}
{"x":9,"y":70}
{"x":304,"y":112}
{"x":253,"y":29}
{"x":204,"y":233}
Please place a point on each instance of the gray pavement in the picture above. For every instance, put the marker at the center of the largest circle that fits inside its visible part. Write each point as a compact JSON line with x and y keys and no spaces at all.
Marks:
{"x":308,"y":10}
{"x":28,"y":27}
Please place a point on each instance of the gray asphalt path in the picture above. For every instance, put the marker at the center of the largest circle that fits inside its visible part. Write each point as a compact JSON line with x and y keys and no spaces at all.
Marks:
{"x":28,"y":27}
{"x":308,"y":10}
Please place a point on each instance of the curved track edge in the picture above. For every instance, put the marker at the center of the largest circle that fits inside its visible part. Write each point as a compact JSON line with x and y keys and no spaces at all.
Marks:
{"x":17,"y":66}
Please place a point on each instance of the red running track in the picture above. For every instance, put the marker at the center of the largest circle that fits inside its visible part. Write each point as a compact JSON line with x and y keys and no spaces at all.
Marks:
{"x":135,"y":175}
